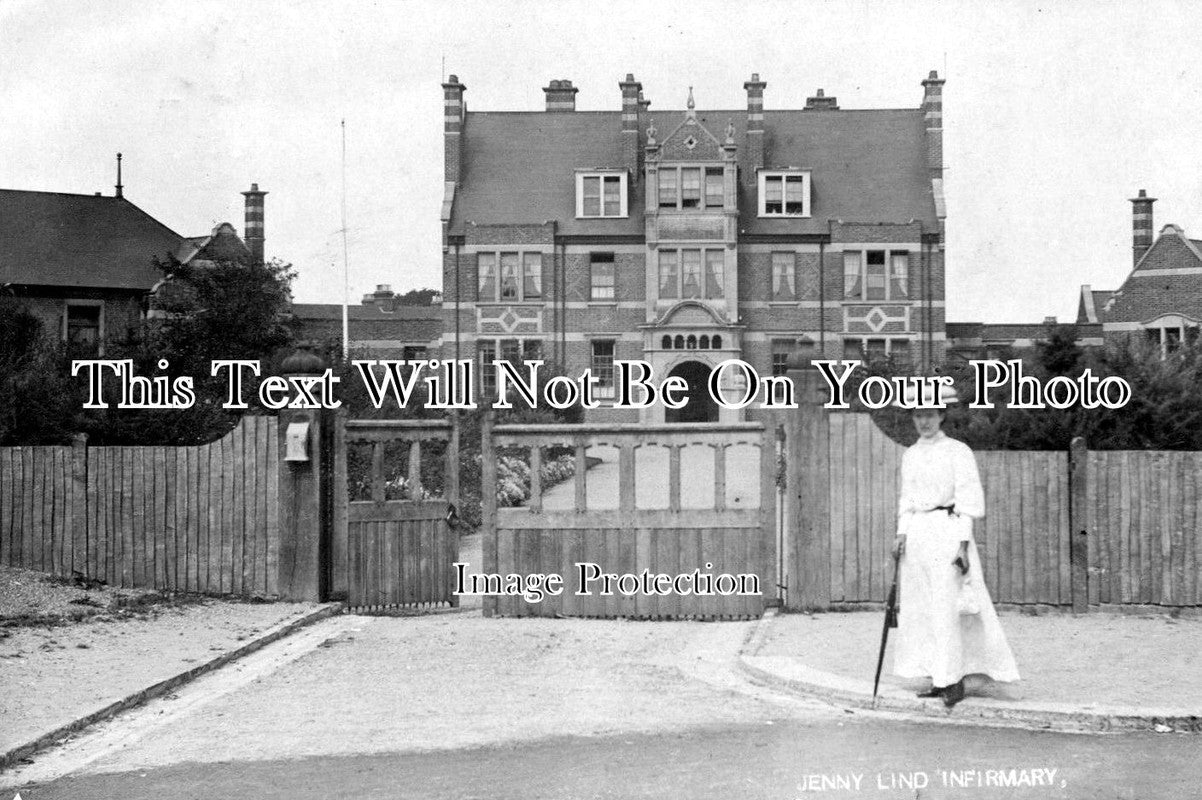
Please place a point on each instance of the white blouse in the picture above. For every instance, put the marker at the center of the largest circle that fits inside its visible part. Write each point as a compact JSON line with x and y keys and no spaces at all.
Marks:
{"x":940,"y":471}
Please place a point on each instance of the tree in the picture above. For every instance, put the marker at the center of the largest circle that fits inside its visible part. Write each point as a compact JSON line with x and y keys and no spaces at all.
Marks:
{"x":39,"y":403}
{"x":419,"y":297}
{"x":202,"y":312}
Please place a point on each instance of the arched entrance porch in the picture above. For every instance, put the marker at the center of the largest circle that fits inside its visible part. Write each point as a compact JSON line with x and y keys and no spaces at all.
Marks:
{"x":701,"y":407}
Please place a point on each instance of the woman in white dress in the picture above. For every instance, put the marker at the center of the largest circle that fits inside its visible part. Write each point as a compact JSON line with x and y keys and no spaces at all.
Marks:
{"x":947,"y":626}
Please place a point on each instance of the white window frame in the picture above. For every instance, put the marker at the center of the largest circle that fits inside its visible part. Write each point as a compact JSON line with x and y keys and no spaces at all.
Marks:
{"x":862,"y":255}
{"x":623,"y":193}
{"x":701,"y":285}
{"x":488,"y":371}
{"x":603,"y":390}
{"x":521,"y":276}
{"x":889,"y":342}
{"x":1162,"y":326}
{"x":72,"y":303}
{"x":783,"y":174}
{"x":678,"y":171}
{"x":592,"y":285}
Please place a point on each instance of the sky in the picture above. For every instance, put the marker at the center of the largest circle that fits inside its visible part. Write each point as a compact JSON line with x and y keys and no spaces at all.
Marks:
{"x":1054,"y":113}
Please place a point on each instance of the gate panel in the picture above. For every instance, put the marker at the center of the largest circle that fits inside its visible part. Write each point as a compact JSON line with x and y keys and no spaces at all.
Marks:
{"x":400,"y":543}
{"x":708,"y":502}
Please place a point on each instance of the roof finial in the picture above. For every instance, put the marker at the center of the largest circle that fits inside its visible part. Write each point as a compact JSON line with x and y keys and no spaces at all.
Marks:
{"x":119,"y":194}
{"x":651,"y":131}
{"x":730,"y":131}
{"x":691,"y":104}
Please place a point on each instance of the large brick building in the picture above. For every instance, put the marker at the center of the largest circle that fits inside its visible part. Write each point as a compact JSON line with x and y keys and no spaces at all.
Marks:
{"x":1161,"y":299}
{"x":688,"y":237}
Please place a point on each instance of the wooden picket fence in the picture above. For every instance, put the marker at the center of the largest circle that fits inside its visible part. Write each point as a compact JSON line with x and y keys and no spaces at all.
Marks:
{"x":197,"y":519}
{"x":1023,"y":539}
{"x":1143,"y":514}
{"x":1115,"y":528}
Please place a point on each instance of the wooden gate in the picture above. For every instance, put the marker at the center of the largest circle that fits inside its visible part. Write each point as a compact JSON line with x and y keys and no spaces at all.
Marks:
{"x":396,"y":496}
{"x":697,"y":500}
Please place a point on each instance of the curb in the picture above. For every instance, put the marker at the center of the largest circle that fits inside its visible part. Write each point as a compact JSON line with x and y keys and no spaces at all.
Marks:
{"x":16,"y":754}
{"x":790,"y":674}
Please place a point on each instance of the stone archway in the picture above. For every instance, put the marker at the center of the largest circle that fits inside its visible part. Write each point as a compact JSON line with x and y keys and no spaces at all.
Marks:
{"x":701,"y":407}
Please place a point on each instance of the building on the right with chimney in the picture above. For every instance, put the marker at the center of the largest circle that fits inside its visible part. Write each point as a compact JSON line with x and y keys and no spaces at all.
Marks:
{"x":1161,"y":299}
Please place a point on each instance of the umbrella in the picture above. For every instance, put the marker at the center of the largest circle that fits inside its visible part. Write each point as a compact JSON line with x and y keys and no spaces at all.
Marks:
{"x":890,"y":622}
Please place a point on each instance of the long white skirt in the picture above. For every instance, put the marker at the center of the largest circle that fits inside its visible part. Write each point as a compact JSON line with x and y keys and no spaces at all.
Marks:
{"x":933,"y":638}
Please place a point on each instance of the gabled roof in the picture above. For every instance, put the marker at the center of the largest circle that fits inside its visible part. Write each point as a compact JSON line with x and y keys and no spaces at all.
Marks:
{"x":1091,"y":303}
{"x":54,"y":239}
{"x":1167,"y":280}
{"x":866,"y":166}
{"x":222,"y":244}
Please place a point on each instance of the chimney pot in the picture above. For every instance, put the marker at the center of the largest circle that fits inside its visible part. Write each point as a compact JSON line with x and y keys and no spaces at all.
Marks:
{"x":821,"y":102}
{"x":561,"y":95}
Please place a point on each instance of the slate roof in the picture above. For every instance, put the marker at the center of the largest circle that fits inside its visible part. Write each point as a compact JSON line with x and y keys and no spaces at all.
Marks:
{"x":866,"y":165}
{"x":1091,"y":303}
{"x":1146,"y":295}
{"x":404,"y":323}
{"x":55,"y":239}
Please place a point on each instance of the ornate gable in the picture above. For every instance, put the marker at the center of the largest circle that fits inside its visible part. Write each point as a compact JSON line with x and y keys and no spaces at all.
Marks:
{"x":691,"y":140}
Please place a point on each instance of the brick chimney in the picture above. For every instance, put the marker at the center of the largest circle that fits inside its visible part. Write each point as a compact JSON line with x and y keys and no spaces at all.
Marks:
{"x":1141,"y":225}
{"x":382,"y":298}
{"x":254,"y":222}
{"x":820,"y":102}
{"x":932,"y":114}
{"x":755,"y":121}
{"x":454,"y":112}
{"x":631,"y":106}
{"x":561,"y":96}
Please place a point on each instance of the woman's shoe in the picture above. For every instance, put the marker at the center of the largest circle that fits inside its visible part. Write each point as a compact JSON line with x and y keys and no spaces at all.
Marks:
{"x":953,"y":694}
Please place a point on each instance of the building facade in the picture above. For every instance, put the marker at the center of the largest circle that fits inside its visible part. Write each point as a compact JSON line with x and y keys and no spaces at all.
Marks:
{"x":689,"y":237}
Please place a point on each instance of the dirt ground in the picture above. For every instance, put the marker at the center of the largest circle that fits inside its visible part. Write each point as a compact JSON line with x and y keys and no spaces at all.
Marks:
{"x":66,"y":650}
{"x":1097,"y":660}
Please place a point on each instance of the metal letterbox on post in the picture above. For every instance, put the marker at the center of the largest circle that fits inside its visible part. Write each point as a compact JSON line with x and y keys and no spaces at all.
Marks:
{"x":296,"y":442}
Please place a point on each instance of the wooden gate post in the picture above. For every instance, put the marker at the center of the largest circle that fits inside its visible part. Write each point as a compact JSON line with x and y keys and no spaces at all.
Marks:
{"x":807,"y":512}
{"x":304,"y":492}
{"x":1078,"y":459}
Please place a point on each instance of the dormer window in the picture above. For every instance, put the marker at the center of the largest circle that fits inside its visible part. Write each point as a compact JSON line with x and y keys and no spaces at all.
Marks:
{"x":601,"y":194}
{"x":785,"y":194}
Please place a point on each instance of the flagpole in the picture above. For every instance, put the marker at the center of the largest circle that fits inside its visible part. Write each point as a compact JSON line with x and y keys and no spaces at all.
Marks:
{"x":346,"y":274}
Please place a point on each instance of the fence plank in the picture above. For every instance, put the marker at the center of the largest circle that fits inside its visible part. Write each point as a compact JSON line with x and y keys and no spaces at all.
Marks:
{"x":1042,"y":590}
{"x":29,"y":558}
{"x":6,"y":514}
{"x":838,"y":504}
{"x":254,"y":506}
{"x":271,"y":567}
{"x":96,"y":517}
{"x":62,"y":501}
{"x":1172,"y":517}
{"x":1189,"y":524}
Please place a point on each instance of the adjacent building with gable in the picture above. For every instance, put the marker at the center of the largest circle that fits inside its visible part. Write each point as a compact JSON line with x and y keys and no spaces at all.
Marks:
{"x":687,"y":237}
{"x":1161,"y":299}
{"x":85,"y":264}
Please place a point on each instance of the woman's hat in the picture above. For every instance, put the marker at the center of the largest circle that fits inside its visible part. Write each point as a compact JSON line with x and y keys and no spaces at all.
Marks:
{"x":910,"y":397}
